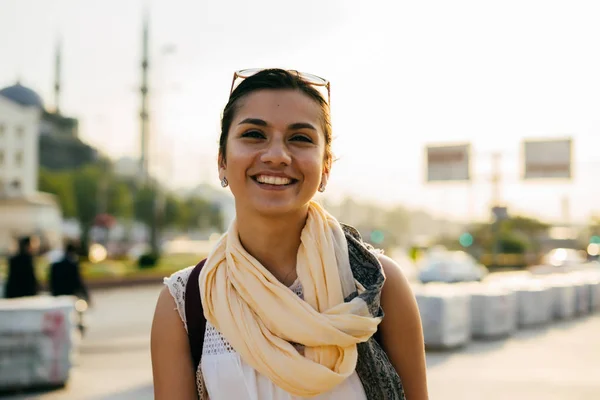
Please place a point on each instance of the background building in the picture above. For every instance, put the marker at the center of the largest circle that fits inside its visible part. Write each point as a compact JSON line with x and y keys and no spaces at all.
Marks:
{"x":24,"y":210}
{"x":20,"y":112}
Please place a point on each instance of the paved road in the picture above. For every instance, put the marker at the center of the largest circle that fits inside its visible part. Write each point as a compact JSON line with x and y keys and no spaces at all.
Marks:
{"x":561,"y":361}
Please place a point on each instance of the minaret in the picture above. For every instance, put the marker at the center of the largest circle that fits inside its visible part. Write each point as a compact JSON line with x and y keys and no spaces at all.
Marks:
{"x":57,"y":76}
{"x":144,"y":110}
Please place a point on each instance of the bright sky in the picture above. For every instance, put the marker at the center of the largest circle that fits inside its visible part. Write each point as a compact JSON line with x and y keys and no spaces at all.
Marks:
{"x":404,"y":75}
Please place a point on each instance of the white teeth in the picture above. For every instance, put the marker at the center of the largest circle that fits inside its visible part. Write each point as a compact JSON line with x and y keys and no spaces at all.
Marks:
{"x":273,"y":180}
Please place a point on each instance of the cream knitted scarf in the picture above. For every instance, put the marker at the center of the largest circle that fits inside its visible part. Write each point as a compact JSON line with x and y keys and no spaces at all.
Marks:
{"x":260,"y":317}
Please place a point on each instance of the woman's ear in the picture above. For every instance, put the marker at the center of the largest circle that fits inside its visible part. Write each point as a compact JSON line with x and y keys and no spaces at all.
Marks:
{"x":222,"y":165}
{"x":325,"y":178}
{"x":323,"y":184}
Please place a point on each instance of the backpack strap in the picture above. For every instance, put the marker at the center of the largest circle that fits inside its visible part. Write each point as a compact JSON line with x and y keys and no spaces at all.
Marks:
{"x":194,"y":315}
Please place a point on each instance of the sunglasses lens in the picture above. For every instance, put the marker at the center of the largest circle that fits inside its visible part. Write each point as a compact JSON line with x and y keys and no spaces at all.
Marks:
{"x":313,"y":79}
{"x":247,"y":73}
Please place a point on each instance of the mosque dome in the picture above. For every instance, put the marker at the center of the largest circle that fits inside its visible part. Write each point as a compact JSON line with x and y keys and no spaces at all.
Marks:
{"x":22,"y":95}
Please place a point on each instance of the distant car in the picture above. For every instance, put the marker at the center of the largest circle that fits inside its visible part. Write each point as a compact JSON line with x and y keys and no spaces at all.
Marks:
{"x":450,"y":266}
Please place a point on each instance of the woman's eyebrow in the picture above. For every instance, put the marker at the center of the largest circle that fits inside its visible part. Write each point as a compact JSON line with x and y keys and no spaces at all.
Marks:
{"x":301,"y":125}
{"x":254,"y":121}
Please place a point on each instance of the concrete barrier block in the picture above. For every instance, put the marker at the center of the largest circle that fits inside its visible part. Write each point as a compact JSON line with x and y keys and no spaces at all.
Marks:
{"x":493,"y":312}
{"x":446,"y":316}
{"x":564,"y":301}
{"x":582,"y":298}
{"x":591,"y":279}
{"x":563,"y":291}
{"x":36,"y":341}
{"x":595,"y":295}
{"x":535,"y":305}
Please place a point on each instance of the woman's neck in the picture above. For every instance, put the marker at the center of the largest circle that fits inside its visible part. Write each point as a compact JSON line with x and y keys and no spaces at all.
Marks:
{"x":273,"y":241}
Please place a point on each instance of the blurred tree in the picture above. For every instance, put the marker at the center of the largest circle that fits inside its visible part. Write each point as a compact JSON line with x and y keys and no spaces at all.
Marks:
{"x":59,"y":184}
{"x":513,"y":243}
{"x":65,"y":153}
{"x":86,"y":192}
{"x":528,"y":226}
{"x":530,"y":230}
{"x":397,"y":222}
{"x":516,"y":235}
{"x":144,"y":204}
{"x":86,"y":188}
{"x":201,"y":214}
{"x":175,"y":212}
{"x":120,"y":199}
{"x":216,"y":220}
{"x":149,"y":209}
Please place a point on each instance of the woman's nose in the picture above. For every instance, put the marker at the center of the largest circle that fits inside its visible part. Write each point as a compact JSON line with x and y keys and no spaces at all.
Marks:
{"x":276,"y":153}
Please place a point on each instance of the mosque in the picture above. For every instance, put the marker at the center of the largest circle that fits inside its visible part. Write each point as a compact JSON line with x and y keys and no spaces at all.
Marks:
{"x":26,"y":127}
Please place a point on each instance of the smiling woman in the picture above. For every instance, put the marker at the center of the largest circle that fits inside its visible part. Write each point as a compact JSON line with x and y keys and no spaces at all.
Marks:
{"x":275,"y":144}
{"x":290,"y":303}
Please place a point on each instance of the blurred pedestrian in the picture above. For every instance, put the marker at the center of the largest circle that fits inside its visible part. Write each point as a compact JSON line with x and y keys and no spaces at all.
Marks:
{"x":64,"y":277}
{"x":21,"y":281}
{"x":290,"y":303}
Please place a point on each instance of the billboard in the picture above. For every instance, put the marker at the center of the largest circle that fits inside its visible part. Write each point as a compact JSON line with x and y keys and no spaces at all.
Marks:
{"x":547,"y":159}
{"x":448,"y":163}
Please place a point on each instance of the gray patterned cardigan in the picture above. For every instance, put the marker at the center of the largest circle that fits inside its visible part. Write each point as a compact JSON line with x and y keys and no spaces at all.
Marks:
{"x":379,"y":378}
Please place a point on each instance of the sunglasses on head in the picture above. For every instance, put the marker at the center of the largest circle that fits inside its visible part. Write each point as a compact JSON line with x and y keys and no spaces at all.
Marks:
{"x":311,"y":79}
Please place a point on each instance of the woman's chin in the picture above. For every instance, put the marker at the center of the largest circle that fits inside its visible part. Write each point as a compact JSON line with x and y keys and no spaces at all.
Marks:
{"x":278,"y":207}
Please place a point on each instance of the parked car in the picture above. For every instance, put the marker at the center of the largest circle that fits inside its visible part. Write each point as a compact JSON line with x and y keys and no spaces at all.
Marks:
{"x":564,"y":258}
{"x":450,"y":266}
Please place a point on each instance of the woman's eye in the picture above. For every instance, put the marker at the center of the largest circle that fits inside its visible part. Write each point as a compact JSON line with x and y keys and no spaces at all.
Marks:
{"x":253,"y":134}
{"x":302,"y":138}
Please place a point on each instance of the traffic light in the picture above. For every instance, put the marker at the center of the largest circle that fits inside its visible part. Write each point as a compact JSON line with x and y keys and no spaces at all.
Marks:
{"x":466,"y":239}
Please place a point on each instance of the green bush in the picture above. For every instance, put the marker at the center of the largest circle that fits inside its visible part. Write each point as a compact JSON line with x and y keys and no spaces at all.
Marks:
{"x":512,"y":244}
{"x":148,"y":260}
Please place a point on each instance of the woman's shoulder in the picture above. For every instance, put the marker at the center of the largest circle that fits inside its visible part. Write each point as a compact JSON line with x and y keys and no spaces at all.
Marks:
{"x":179,"y":278}
{"x":176,"y":285}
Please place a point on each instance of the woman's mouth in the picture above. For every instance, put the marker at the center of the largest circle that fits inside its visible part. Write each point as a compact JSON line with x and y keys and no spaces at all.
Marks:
{"x":274,"y":180}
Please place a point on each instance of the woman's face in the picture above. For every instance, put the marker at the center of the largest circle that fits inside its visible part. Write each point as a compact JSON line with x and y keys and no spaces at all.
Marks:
{"x":275,"y":152}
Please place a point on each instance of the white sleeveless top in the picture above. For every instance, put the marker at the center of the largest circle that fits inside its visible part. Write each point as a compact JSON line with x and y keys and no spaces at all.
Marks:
{"x":223,"y":373}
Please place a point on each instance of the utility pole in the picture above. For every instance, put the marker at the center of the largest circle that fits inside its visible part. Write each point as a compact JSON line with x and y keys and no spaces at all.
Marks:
{"x":144,"y":171}
{"x":495,"y":202}
{"x":57,"y":76}
{"x":496,"y":178}
{"x":566,"y":211}
{"x":144,"y":117}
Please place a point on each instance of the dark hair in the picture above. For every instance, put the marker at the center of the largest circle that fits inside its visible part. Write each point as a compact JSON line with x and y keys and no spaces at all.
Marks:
{"x":277,"y":79}
{"x":24,"y":243}
{"x":71,"y":247}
